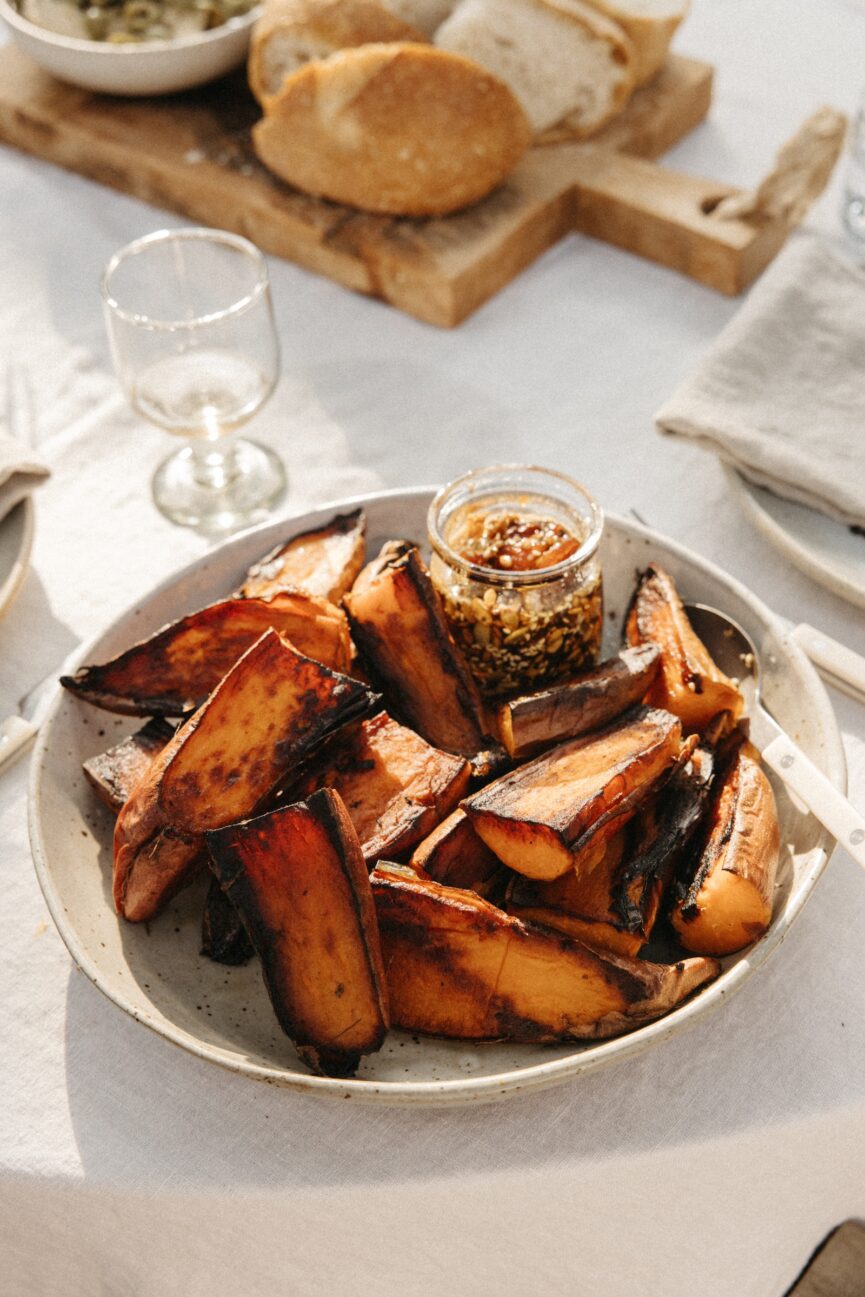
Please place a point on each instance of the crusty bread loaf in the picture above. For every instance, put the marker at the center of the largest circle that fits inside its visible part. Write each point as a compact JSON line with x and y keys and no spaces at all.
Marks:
{"x":650,"y":24}
{"x":426,"y":15}
{"x":405,"y":129}
{"x":293,"y":32}
{"x":560,"y":57}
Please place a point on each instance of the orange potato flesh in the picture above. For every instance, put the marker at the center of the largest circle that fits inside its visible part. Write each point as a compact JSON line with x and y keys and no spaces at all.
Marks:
{"x":456,"y":966}
{"x":729,"y":904}
{"x":537,"y":818}
{"x":454,"y":854}
{"x":177,"y":668}
{"x":689,"y":683}
{"x":395,"y":786}
{"x":322,"y":562}
{"x":272,"y":708}
{"x":535,"y":721}
{"x":298,"y":880}
{"x":399,"y":626}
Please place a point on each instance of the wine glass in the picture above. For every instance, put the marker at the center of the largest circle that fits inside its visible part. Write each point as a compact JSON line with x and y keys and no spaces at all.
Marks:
{"x":193,"y":342}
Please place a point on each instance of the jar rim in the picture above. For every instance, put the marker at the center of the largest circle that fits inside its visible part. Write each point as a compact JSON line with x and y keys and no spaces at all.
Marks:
{"x":495,"y":576}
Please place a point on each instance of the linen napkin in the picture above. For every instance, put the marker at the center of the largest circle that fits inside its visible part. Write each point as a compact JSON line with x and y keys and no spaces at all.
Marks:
{"x":781,"y":393}
{"x":20,"y":473}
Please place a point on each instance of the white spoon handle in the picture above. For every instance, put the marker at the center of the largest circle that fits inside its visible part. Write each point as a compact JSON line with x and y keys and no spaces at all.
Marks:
{"x":823,"y":800}
{"x":845,"y":669}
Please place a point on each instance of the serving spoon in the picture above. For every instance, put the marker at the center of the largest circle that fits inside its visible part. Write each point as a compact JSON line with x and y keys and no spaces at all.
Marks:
{"x":735,"y":653}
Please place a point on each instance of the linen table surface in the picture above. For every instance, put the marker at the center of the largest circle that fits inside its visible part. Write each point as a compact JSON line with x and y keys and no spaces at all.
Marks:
{"x":712,"y":1164}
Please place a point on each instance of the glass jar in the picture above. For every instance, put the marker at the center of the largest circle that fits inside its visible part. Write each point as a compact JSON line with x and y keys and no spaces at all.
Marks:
{"x":515,"y":561}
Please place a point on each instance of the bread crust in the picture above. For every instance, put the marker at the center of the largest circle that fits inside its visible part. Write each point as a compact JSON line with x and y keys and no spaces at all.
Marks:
{"x":316,"y":29}
{"x":402,"y":129}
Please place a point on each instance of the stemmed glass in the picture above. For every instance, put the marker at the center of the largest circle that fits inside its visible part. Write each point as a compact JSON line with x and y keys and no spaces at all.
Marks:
{"x":193,"y":342}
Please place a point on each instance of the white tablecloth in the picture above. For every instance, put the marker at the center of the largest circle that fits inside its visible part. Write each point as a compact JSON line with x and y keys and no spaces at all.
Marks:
{"x":713,"y":1164}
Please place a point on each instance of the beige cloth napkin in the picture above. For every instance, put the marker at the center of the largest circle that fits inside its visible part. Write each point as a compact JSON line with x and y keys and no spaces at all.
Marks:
{"x":20,"y":473}
{"x":781,"y":393}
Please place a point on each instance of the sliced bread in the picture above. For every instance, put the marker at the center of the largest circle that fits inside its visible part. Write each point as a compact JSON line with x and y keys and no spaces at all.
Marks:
{"x":404,"y":129}
{"x":560,"y":57}
{"x":294,"y":32}
{"x":426,"y":15}
{"x":650,"y":24}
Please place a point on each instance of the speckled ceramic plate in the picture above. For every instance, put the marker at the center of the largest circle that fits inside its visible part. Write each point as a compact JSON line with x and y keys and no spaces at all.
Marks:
{"x":16,"y":541}
{"x":155,"y":973}
{"x":826,"y":550}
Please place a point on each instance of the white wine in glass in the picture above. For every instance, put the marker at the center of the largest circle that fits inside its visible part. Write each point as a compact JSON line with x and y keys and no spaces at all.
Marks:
{"x":193,"y":342}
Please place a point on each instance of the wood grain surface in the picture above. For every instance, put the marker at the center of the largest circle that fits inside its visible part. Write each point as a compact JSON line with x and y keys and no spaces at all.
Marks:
{"x":192,"y":154}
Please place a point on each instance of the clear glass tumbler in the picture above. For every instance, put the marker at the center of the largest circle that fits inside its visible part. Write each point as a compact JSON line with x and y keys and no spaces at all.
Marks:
{"x":193,"y":342}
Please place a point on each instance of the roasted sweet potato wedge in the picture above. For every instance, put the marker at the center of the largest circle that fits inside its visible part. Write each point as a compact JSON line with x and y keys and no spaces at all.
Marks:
{"x":582,"y":905}
{"x":269,"y":711}
{"x":399,"y":627}
{"x":114,"y":774}
{"x":531,"y":722}
{"x":727,"y":903}
{"x":152,"y":859}
{"x":224,"y":939}
{"x":689,"y":684}
{"x":174,"y":671}
{"x":298,"y":879}
{"x":454,"y":854}
{"x":395,"y":786}
{"x":323,"y":562}
{"x":458,"y":966}
{"x":543,"y":816}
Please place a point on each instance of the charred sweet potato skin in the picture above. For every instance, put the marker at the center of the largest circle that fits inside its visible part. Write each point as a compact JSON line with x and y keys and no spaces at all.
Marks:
{"x":399,"y":627}
{"x":174,"y":671}
{"x":531,"y":722}
{"x":728,"y":902}
{"x":395,"y":786}
{"x":114,"y":774}
{"x":298,"y":879}
{"x":689,"y":684}
{"x":272,"y":708}
{"x":540,"y":818}
{"x":224,"y":939}
{"x":324,"y":561}
{"x":457,"y":966}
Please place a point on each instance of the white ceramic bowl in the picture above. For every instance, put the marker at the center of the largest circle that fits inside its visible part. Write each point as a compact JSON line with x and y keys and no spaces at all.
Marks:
{"x":155,"y":971}
{"x":148,"y":68}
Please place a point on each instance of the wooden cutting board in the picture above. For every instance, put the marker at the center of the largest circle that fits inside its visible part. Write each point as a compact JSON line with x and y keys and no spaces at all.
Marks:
{"x":191,"y":154}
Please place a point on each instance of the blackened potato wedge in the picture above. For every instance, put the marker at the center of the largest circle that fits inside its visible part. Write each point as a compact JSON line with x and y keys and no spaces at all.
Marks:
{"x":542,"y":817}
{"x":298,"y":879}
{"x":173,"y":672}
{"x":535,"y":721}
{"x":399,"y":627}
{"x":395,"y":786}
{"x":114,"y":774}
{"x":457,"y":966}
{"x":727,"y":903}
{"x":689,"y":684}
{"x":265,"y":716}
{"x":324,"y":561}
